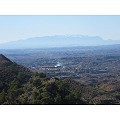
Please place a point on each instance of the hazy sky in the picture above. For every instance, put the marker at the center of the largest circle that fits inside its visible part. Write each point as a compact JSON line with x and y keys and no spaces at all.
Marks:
{"x":14,"y":28}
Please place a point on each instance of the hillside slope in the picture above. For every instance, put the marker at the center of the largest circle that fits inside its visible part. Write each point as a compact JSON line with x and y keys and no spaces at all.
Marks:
{"x":18,"y":85}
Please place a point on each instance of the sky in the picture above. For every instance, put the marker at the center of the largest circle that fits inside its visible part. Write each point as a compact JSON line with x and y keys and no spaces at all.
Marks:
{"x":13,"y":28}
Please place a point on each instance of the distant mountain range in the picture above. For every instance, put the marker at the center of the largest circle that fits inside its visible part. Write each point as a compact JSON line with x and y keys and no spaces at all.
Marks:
{"x":58,"y":41}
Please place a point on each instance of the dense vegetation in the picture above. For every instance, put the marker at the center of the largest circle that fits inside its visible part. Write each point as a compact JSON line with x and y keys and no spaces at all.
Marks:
{"x":18,"y":85}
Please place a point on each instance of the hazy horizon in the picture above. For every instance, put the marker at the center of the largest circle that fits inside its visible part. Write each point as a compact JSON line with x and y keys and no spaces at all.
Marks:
{"x":58,"y":41}
{"x":15,"y":28}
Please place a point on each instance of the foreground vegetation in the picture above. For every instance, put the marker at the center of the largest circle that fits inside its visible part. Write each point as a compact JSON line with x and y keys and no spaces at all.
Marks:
{"x":18,"y":85}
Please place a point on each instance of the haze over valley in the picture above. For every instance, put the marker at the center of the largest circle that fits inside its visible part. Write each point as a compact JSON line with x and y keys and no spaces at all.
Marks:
{"x":60,"y":60}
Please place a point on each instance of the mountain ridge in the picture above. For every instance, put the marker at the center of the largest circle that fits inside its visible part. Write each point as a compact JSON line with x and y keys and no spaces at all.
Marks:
{"x":2,"y":57}
{"x":4,"y":61}
{"x":58,"y":41}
